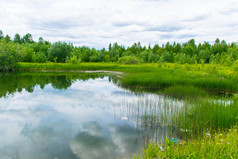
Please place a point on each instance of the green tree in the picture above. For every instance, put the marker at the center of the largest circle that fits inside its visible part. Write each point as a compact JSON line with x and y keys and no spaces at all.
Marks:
{"x":233,"y":52}
{"x":204,"y":55}
{"x":41,"y":40}
{"x":59,"y":51}
{"x":128,"y":60}
{"x":168,"y":57}
{"x":192,"y":44}
{"x":27,"y":54}
{"x":17,"y":38}
{"x":152,"y":57}
{"x":217,"y":47}
{"x":7,"y":38}
{"x":8,"y":56}
{"x":116,"y":52}
{"x":189,"y":51}
{"x":145,"y":55}
{"x":27,"y":38}
{"x":102,"y":54}
{"x":1,"y":35}
{"x":94,"y":56}
{"x":39,"y":57}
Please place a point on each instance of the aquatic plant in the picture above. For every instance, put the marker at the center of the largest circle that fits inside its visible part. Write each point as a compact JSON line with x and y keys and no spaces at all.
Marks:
{"x":222,"y":144}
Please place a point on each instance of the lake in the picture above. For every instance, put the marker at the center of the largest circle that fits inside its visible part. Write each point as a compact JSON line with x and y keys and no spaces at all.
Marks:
{"x":79,"y":116}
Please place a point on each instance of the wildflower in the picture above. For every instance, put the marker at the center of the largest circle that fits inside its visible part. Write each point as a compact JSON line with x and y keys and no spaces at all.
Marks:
{"x":207,"y":135}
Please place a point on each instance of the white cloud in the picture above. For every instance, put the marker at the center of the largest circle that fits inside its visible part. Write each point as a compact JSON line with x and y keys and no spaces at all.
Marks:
{"x":96,"y":23}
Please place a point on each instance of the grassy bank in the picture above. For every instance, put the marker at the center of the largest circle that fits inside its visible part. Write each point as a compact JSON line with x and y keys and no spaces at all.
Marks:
{"x":218,"y":145}
{"x":154,"y":76}
{"x":22,"y":66}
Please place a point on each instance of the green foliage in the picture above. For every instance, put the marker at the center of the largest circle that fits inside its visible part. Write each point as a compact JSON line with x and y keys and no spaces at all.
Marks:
{"x":167,"y":57}
{"x":218,"y":53}
{"x":128,"y":60}
{"x":27,"y":54}
{"x":27,"y":38}
{"x":8,"y":56}
{"x":17,"y":38}
{"x":153,"y":77}
{"x":189,"y":51}
{"x":73,"y":60}
{"x":181,"y":91}
{"x":94,"y":56}
{"x":204,"y":55}
{"x":233,"y":52}
{"x":222,"y":144}
{"x":7,"y":38}
{"x":145,"y":55}
{"x":1,"y":35}
{"x":59,"y":51}
{"x":39,"y":57}
{"x":235,"y":66}
{"x":166,"y":77}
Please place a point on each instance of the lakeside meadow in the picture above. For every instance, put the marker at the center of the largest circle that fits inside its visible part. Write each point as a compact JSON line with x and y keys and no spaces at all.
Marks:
{"x":190,"y":90}
{"x":206,"y":124}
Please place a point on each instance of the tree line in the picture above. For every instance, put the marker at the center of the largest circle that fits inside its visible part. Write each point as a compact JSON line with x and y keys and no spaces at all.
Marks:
{"x":25,"y":49}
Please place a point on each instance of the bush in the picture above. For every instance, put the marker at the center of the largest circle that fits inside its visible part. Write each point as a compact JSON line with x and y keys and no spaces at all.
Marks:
{"x":235,"y":65}
{"x":128,"y":60}
{"x":59,"y":51}
{"x":39,"y":57}
{"x":73,"y":60}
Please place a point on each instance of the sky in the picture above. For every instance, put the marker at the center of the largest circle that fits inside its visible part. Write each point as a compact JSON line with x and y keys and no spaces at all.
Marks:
{"x":96,"y":23}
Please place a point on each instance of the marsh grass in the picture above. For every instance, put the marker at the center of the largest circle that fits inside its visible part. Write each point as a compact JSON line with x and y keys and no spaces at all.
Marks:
{"x":163,"y":78}
{"x":222,"y":144}
{"x":180,"y":91}
{"x":150,"y":76}
{"x":207,"y":115}
{"x":65,"y":66}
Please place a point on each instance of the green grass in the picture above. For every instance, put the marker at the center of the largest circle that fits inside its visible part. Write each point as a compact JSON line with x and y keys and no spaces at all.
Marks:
{"x":154,"y":76}
{"x":162,"y":78}
{"x":65,"y":66}
{"x":185,"y":91}
{"x":222,"y":144}
{"x":206,"y":114}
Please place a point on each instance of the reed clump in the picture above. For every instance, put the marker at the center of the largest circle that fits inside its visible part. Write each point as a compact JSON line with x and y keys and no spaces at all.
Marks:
{"x":222,"y":144}
{"x":207,"y":114}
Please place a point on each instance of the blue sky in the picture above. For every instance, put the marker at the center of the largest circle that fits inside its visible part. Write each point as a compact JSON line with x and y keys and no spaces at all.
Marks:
{"x":96,"y":23}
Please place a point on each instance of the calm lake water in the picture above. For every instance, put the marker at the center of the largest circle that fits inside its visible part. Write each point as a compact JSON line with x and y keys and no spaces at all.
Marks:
{"x":78,"y":116}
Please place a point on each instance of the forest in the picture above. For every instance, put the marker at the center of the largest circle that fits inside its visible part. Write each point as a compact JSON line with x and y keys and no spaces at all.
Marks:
{"x":25,"y":49}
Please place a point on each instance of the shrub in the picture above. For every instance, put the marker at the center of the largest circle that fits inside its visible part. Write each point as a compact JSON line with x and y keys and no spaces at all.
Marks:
{"x":73,"y":60}
{"x":128,"y":60}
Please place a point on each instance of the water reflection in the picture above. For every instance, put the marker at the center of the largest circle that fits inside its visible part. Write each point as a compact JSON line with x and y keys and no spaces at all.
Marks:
{"x":79,"y":116}
{"x":110,"y":141}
